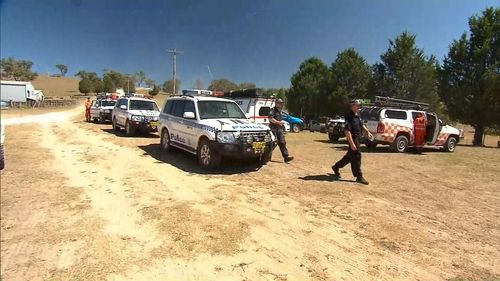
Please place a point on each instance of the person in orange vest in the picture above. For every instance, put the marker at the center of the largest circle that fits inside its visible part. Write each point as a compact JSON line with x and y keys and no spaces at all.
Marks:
{"x":419,"y":128}
{"x":88,"y":104}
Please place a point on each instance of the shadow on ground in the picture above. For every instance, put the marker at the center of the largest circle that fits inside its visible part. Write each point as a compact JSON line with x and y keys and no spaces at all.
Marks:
{"x":188,"y":163}
{"x":138,"y":134}
{"x":324,"y":177}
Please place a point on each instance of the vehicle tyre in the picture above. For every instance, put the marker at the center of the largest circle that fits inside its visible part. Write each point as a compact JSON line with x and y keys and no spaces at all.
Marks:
{"x":101,"y":119}
{"x":266,"y":157}
{"x":400,"y":144}
{"x":208,"y":158}
{"x":94,"y":119}
{"x":371,"y":144}
{"x":295,"y":128}
{"x":450,"y":144}
{"x":2,"y":158}
{"x":115,"y":125}
{"x":165,"y":141}
{"x":128,"y":129}
{"x":333,"y":137}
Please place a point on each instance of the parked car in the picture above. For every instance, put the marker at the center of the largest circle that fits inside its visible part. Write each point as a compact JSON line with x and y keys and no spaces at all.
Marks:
{"x":296,"y":123}
{"x":213,"y":128}
{"x":101,"y":110}
{"x":135,"y":114}
{"x":335,"y":128}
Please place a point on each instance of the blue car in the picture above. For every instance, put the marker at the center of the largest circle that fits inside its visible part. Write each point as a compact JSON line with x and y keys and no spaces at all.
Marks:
{"x":296,"y":123}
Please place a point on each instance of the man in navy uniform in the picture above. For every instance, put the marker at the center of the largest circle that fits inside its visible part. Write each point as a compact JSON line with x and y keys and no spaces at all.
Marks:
{"x":353,"y":131}
{"x":277,"y":125}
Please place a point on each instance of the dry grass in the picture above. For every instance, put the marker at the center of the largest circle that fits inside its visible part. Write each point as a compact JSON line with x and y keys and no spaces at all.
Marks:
{"x":56,"y":86}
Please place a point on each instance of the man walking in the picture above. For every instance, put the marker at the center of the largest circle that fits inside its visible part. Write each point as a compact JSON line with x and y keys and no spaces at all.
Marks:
{"x":88,"y":104}
{"x":353,"y":131}
{"x":276,"y":124}
{"x":419,"y":127}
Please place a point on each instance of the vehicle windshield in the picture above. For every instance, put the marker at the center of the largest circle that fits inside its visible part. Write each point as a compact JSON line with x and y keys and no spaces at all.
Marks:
{"x":108,"y":103}
{"x":219,"y":109}
{"x":143,"y":105}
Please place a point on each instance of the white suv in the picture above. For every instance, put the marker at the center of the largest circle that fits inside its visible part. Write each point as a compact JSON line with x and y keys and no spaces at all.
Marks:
{"x":212,"y":128}
{"x":394,"y":127}
{"x":135,"y":114}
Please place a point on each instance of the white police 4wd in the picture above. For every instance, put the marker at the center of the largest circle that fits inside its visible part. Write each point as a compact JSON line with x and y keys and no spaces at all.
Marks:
{"x":135,"y":114}
{"x":213,"y":128}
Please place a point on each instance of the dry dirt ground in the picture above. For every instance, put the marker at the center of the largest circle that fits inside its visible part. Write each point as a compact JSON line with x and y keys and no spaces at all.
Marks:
{"x":79,"y":202}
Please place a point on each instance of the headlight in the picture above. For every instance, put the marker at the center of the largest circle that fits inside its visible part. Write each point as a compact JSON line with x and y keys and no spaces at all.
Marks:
{"x":107,"y":111}
{"x":226,"y":137}
{"x":137,"y":118}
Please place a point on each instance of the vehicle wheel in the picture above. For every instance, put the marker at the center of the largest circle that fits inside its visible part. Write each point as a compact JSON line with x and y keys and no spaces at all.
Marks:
{"x":115,"y":125}
{"x":295,"y":128}
{"x":333,"y":137}
{"x":266,"y":157}
{"x":208,"y":158}
{"x":371,"y":145}
{"x":94,"y":120}
{"x":128,"y":129}
{"x":400,"y":144}
{"x":2,"y":158}
{"x":450,"y":144}
{"x":101,"y":120}
{"x":165,"y":141}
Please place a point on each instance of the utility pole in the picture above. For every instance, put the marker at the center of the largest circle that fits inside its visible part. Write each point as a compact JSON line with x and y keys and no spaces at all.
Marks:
{"x":174,"y":52}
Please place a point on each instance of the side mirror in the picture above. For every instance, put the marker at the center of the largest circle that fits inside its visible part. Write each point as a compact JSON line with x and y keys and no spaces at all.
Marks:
{"x":189,"y":115}
{"x":123,"y":106}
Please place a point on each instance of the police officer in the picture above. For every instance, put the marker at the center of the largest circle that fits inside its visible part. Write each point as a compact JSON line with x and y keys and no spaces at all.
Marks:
{"x":353,"y":131}
{"x":277,"y":125}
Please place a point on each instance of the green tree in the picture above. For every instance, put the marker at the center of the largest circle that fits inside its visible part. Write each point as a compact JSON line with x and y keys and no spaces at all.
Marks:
{"x":405,"y":72}
{"x":97,"y":86}
{"x":108,"y":84}
{"x":470,"y":75}
{"x":18,"y":70}
{"x":350,"y":77}
{"x":276,"y":93}
{"x":128,"y":84}
{"x":155,"y":91}
{"x":117,"y":77}
{"x":140,"y":77}
{"x":309,"y":91}
{"x":222,"y":85}
{"x":246,"y":85}
{"x":150,"y":82}
{"x":62,"y":68}
{"x":169,"y":84}
{"x":85,"y":86}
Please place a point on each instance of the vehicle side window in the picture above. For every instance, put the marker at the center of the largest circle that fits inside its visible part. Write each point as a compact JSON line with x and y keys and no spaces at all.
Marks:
{"x":370,"y":114}
{"x":168,"y":107}
{"x":189,"y":107}
{"x":121,"y":102}
{"x":395,"y":114}
{"x":265,"y":111}
{"x":178,"y":108}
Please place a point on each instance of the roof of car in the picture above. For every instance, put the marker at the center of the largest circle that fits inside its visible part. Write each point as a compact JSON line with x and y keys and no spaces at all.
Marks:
{"x":138,"y":98}
{"x":200,"y":98}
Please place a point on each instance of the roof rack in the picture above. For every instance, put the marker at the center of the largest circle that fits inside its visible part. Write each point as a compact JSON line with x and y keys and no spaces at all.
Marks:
{"x":245,"y":93}
{"x":399,"y":103}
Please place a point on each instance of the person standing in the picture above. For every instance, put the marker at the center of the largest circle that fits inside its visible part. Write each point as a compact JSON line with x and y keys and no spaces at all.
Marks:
{"x":353,"y":131}
{"x":419,"y":131}
{"x":88,"y":104}
{"x":277,"y":125}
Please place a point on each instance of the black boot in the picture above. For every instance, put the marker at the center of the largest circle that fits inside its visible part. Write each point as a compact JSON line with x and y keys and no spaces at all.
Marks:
{"x":336,"y":172}
{"x":362,"y":180}
{"x":288,"y":159}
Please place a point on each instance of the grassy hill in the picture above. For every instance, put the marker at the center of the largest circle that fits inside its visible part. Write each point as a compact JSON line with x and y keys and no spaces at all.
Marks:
{"x":56,"y":86}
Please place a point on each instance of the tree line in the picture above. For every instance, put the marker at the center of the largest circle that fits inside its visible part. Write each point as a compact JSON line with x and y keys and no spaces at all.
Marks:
{"x":465,"y":87}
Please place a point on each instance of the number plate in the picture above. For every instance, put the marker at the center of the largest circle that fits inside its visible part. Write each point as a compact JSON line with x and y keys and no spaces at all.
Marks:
{"x":259,"y":145}
{"x":154,"y":123}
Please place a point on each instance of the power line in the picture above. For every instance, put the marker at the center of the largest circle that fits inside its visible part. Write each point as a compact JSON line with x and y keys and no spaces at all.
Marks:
{"x":174,"y":52}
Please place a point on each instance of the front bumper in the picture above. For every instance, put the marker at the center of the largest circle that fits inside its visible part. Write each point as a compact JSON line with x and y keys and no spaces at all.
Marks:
{"x":241,"y":150}
{"x":105,"y":116}
{"x":144,"y":126}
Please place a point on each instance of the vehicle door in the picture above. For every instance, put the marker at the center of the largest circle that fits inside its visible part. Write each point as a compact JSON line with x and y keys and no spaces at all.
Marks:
{"x":165,"y":120}
{"x":433,"y":127}
{"x":189,"y":128}
{"x":177,"y":123}
{"x":121,"y":114}
{"x":94,"y":109}
{"x":371,"y":118}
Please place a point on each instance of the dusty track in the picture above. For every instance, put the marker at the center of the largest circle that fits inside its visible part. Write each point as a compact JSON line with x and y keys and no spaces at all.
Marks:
{"x":95,"y":205}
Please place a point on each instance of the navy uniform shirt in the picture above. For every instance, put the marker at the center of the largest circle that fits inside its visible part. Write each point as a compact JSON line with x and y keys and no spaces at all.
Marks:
{"x":353,"y":124}
{"x":276,"y":114}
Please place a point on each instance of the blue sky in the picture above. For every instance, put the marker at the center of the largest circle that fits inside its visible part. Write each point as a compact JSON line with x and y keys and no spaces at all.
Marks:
{"x":256,"y":41}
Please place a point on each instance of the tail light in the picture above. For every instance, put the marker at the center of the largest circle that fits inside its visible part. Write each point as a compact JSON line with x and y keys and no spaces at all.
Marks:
{"x":380,"y":128}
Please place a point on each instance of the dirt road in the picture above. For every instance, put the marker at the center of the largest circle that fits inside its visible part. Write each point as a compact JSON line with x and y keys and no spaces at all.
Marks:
{"x":80,"y":202}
